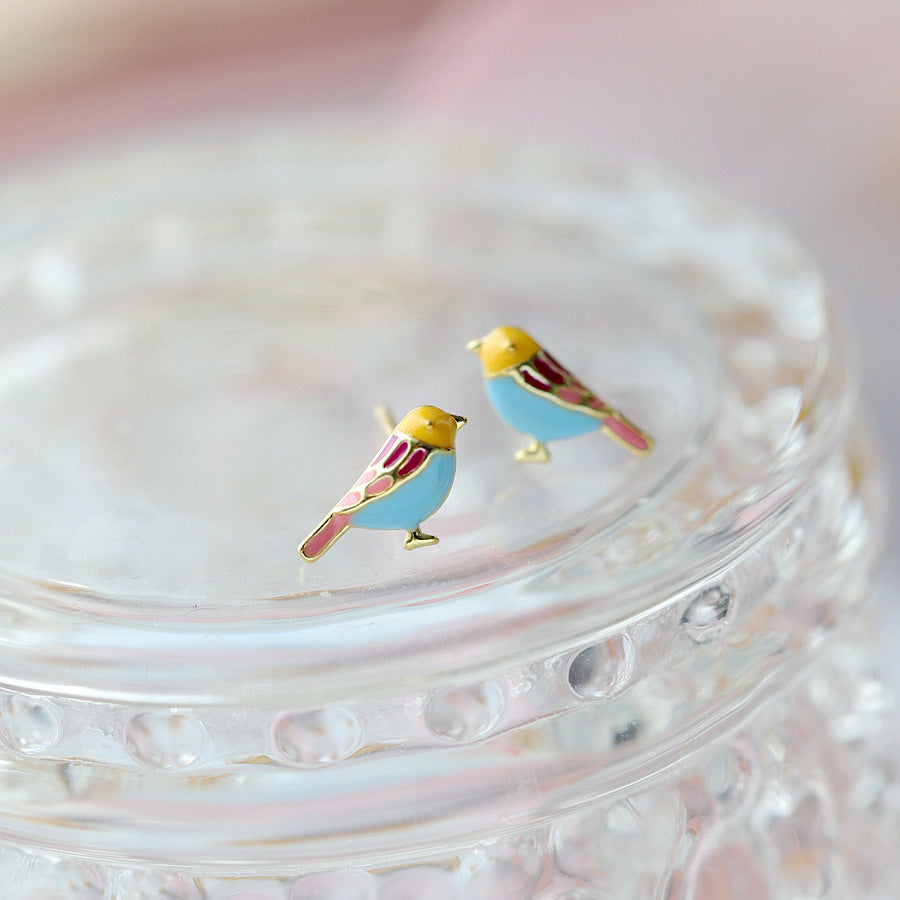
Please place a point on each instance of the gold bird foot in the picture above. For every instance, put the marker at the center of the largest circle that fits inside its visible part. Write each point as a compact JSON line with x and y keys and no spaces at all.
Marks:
{"x":534,"y":452}
{"x":415,"y":539}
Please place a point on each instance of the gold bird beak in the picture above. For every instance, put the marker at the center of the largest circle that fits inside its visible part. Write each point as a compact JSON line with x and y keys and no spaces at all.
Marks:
{"x":460,"y":421}
{"x":474,"y":346}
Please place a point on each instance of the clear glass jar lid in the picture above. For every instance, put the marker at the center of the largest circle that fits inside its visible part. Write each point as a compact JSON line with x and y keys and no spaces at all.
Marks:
{"x":197,"y":333}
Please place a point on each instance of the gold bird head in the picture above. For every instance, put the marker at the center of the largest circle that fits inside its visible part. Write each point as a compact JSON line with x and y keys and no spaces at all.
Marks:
{"x":503,"y":348}
{"x":431,"y":425}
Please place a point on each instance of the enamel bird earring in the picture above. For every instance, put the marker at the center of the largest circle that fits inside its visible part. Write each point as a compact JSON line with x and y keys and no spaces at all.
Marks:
{"x":539,"y":397}
{"x":407,"y":482}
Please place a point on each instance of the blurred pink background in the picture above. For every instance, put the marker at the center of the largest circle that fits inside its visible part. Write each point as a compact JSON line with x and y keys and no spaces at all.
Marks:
{"x":791,"y":107}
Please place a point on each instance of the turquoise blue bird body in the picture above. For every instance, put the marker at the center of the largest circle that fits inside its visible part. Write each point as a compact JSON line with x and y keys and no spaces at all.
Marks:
{"x":405,"y":483}
{"x":413,"y":501}
{"x":534,"y":415}
{"x":538,"y":396}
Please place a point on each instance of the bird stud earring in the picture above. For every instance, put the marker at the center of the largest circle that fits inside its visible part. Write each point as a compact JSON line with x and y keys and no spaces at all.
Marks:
{"x":407,"y":482}
{"x":539,"y":397}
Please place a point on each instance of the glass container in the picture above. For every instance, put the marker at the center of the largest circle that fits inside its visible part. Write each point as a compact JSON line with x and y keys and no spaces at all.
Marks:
{"x":614,"y":677}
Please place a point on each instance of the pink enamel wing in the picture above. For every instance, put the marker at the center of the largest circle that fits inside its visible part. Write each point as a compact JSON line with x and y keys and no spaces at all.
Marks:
{"x":543,"y":374}
{"x":400,"y":457}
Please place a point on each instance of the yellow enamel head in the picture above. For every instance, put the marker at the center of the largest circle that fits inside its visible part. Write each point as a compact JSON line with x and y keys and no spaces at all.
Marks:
{"x":503,"y":348}
{"x":431,"y":425}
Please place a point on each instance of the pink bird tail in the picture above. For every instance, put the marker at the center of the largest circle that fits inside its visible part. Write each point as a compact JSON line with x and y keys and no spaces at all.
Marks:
{"x":328,"y":531}
{"x":627,"y":434}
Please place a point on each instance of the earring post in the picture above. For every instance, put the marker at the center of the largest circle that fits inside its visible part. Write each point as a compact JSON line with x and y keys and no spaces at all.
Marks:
{"x":384,"y":418}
